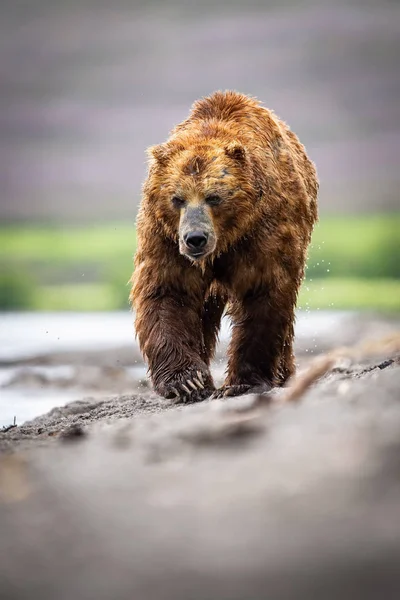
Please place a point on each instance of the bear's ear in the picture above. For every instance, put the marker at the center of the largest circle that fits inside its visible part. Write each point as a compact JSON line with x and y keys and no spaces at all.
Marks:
{"x":159,"y":153}
{"x":236,"y":151}
{"x":163,"y":152}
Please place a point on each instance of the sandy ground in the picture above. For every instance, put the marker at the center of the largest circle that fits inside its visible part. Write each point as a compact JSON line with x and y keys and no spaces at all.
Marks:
{"x":127,"y":496}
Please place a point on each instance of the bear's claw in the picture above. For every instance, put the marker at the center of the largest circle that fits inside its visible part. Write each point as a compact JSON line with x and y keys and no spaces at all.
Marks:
{"x":200,"y":376}
{"x":240,"y":389}
{"x":197,"y":382}
{"x":231,"y":390}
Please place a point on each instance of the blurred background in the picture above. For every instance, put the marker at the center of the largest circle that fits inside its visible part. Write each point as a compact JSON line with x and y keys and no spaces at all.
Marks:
{"x":86,"y":86}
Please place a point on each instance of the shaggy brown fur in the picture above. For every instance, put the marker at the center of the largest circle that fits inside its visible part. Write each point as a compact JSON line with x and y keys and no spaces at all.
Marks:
{"x":225,"y":220}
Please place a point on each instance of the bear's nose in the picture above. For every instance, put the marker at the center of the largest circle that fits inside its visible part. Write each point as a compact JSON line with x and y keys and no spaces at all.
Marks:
{"x":195,"y":240}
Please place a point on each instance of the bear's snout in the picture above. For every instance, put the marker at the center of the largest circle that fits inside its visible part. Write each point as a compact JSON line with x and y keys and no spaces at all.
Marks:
{"x":196,"y":241}
{"x":196,"y":233}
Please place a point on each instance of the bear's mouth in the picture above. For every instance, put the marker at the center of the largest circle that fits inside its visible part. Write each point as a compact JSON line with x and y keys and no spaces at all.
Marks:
{"x":195,"y":256}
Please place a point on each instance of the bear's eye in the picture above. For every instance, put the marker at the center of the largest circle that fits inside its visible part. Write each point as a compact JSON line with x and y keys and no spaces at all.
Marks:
{"x":213,"y":200}
{"x":178,"y":202}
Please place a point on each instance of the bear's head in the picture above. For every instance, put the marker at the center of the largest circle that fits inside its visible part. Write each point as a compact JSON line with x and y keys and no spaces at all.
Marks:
{"x":204,"y":195}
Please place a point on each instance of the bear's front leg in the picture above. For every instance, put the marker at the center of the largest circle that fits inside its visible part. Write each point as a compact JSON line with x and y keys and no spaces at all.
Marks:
{"x":261,"y":332}
{"x":169,"y":329}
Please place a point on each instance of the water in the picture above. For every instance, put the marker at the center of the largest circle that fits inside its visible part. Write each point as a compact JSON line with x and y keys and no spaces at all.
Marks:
{"x":24,"y":405}
{"x":27,"y":335}
{"x":23,"y":335}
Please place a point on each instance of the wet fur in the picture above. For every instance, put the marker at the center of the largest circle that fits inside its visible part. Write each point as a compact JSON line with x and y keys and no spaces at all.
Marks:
{"x":232,"y":145}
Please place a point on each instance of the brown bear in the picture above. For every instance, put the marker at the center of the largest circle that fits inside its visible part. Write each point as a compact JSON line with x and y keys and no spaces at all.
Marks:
{"x":225,"y":220}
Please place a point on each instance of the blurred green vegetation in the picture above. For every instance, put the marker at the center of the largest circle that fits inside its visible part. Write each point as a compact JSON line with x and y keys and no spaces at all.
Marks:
{"x":351,"y":294}
{"x":356,"y":246}
{"x":354,"y":263}
{"x":16,"y":292}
